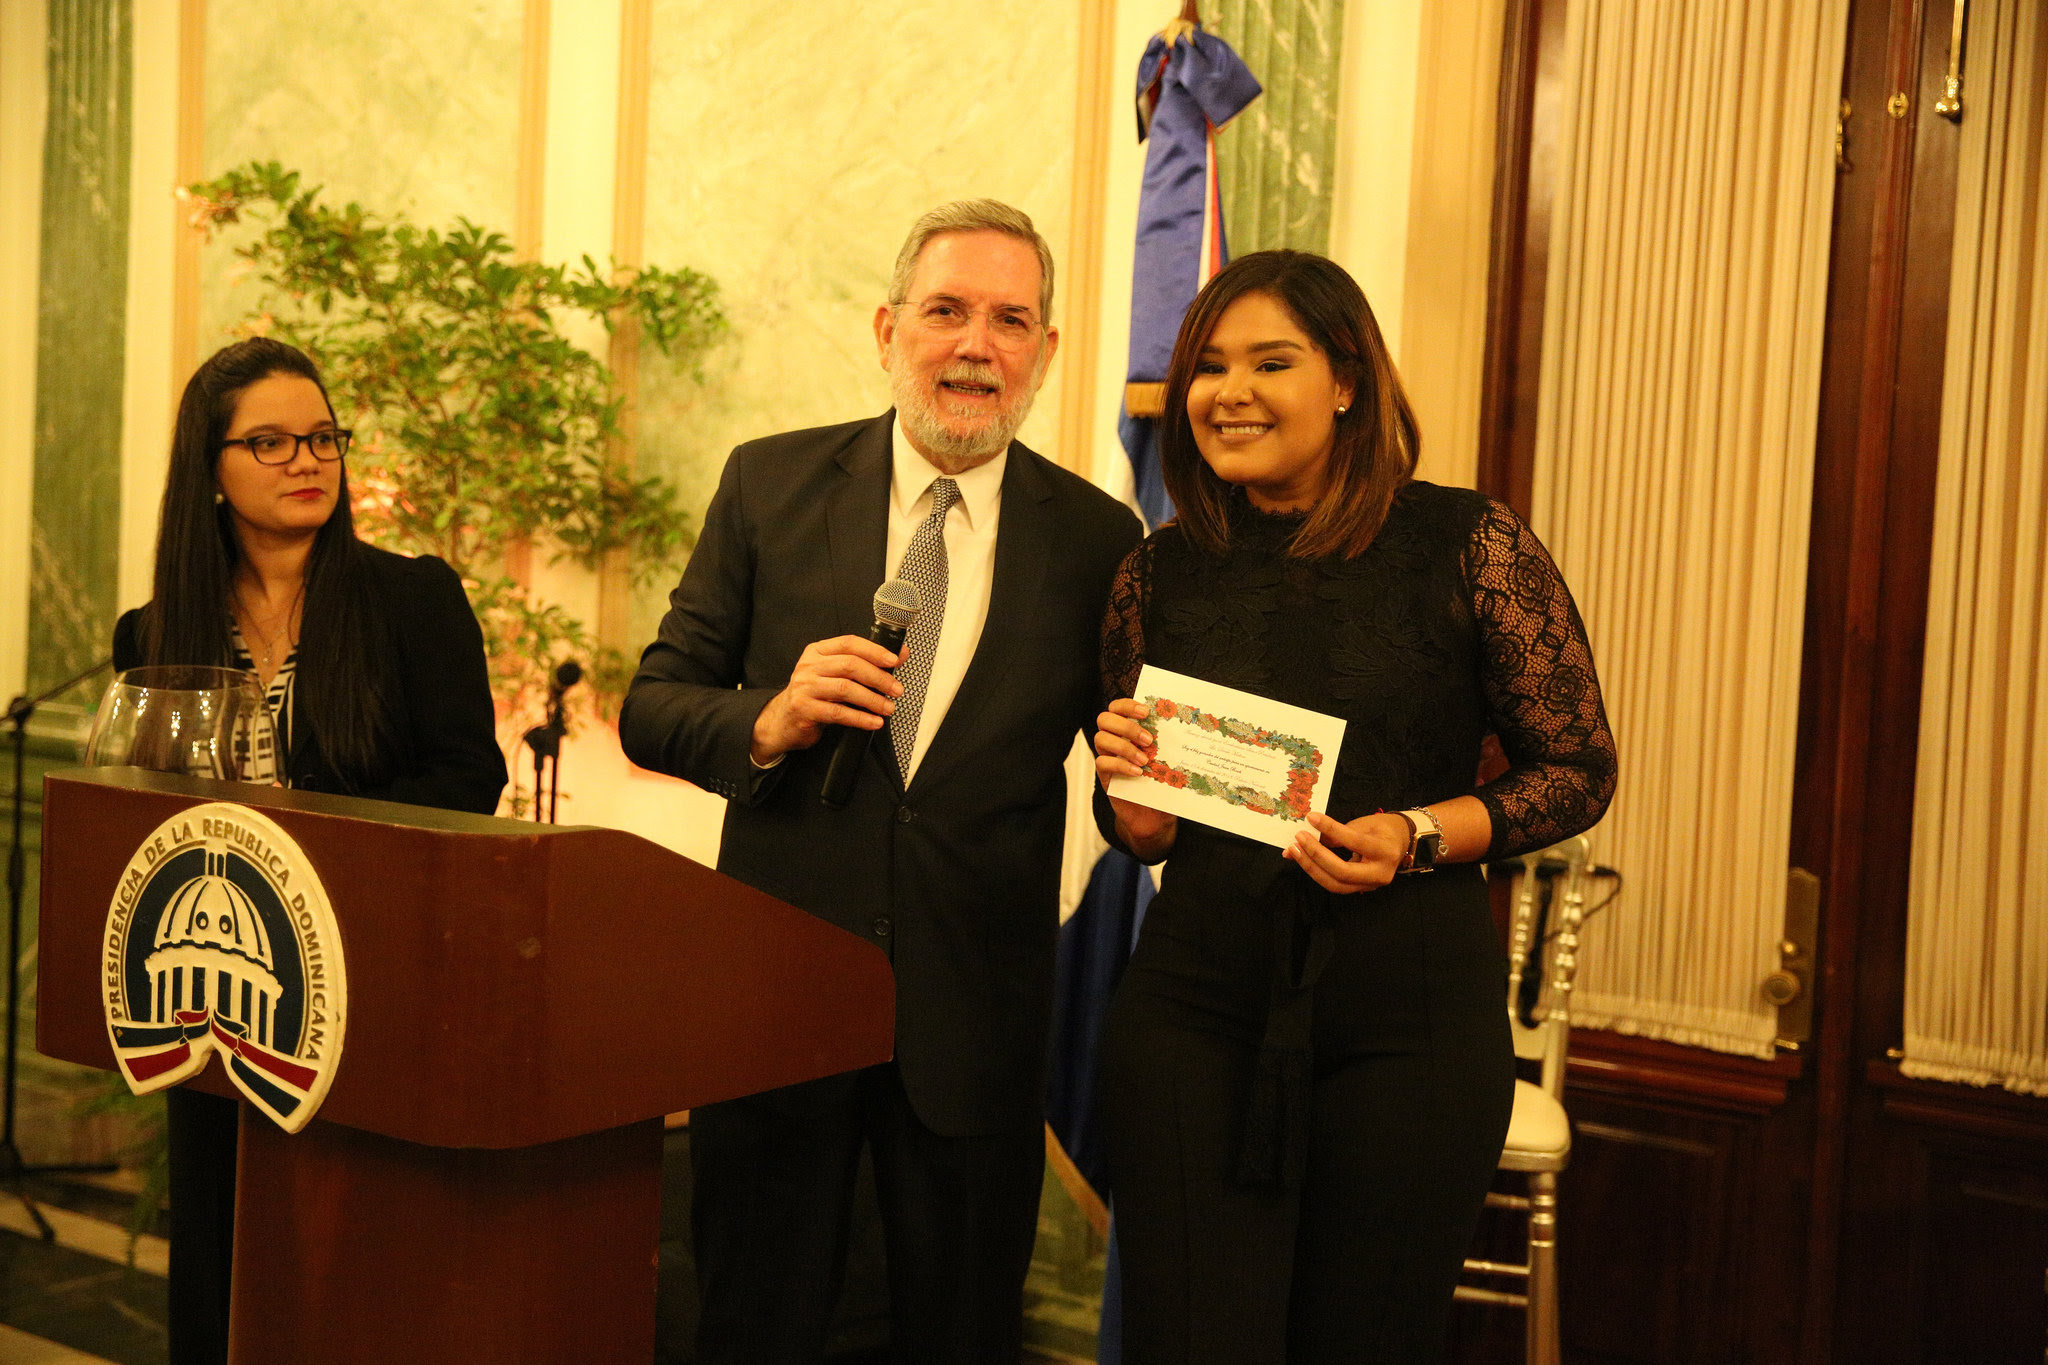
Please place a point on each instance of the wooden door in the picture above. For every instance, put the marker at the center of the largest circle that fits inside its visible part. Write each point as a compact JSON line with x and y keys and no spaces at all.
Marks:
{"x":1930,"y":1240}
{"x":1817,"y":1207}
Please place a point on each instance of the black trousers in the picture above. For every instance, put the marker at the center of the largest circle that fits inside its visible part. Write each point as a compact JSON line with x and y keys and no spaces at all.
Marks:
{"x":203,"y":1132}
{"x":1356,"y":1265}
{"x":772,"y":1203}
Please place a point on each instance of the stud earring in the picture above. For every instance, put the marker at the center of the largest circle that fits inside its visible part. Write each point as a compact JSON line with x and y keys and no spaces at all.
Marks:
{"x":1343,"y":408}
{"x":220,"y":497}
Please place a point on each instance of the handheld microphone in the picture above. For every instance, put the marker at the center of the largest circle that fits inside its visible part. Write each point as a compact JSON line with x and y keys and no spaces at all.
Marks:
{"x":896,"y":605}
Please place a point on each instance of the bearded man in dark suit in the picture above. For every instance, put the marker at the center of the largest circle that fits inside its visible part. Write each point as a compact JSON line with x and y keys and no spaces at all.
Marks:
{"x":947,"y":855}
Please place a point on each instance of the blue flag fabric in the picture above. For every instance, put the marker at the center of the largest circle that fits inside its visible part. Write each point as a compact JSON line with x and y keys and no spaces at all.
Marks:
{"x":1186,"y":91}
{"x":1094,"y":944}
{"x":1140,"y":437}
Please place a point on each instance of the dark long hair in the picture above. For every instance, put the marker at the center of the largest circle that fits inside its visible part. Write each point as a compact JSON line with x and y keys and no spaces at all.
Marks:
{"x":1376,"y":444}
{"x":343,"y":680}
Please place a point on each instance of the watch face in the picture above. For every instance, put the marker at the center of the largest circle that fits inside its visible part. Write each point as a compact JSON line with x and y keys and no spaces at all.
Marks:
{"x":1424,"y":845}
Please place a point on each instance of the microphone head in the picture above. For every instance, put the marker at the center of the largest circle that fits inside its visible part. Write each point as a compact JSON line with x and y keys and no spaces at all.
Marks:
{"x":567,"y":674}
{"x":897,"y":604}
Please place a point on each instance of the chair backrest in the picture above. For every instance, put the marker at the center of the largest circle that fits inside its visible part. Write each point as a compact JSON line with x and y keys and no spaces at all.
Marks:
{"x":1559,"y":873}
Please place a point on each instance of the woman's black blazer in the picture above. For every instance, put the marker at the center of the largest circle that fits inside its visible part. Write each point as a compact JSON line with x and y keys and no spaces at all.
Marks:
{"x":446,"y":729}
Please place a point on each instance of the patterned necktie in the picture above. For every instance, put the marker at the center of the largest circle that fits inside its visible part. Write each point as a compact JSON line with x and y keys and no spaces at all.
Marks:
{"x":924,"y":564}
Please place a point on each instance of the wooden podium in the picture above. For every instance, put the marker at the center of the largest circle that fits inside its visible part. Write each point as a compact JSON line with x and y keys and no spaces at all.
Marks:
{"x":526,"y":1001}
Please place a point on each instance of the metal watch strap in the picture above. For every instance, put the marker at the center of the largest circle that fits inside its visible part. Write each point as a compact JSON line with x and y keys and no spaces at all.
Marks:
{"x":1425,"y":840}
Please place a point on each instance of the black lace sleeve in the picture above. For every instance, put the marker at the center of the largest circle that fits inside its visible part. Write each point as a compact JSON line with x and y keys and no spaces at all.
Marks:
{"x":1544,"y":694}
{"x":1123,"y":625}
{"x":1123,"y":655}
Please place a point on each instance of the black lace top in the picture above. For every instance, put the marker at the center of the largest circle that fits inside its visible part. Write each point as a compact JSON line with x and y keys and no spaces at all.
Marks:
{"x":1453,"y":624}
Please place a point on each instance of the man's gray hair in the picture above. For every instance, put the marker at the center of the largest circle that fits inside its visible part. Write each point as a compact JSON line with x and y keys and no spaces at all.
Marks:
{"x":973,"y":215}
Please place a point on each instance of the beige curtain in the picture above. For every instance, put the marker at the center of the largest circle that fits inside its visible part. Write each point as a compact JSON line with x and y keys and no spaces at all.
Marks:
{"x":1977,"y":946}
{"x":1681,"y":373}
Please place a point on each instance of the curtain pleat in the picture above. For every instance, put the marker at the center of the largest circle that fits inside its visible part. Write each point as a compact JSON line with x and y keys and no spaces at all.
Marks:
{"x":1674,"y":459}
{"x":80,"y":308}
{"x":1976,"y":1005}
{"x":1277,"y":160}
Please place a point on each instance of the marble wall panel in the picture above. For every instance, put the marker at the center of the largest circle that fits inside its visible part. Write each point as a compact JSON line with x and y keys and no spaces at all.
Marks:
{"x":81,"y":321}
{"x":402,"y":107}
{"x":790,"y":147}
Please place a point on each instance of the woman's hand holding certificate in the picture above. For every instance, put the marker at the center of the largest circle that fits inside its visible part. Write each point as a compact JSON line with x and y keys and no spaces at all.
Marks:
{"x":1231,"y":759}
{"x":1123,"y":748}
{"x":1268,"y":783}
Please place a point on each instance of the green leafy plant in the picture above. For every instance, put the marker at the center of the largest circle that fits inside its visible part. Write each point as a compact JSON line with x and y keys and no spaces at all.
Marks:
{"x":484,"y":433}
{"x":146,"y":1152}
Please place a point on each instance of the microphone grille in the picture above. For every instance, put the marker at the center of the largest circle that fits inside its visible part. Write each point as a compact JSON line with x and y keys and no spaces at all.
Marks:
{"x":897,"y":603}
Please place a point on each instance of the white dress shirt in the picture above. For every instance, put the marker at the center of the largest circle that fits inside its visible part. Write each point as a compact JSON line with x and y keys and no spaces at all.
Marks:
{"x":970,"y":565}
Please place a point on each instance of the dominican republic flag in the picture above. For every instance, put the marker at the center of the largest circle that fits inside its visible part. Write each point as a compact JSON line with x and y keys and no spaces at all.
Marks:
{"x":153,"y":1056}
{"x":1187,"y":89}
{"x":1190,"y":84}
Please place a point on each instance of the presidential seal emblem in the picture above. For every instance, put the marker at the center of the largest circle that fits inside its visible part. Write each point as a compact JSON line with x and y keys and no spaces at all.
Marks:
{"x":220,"y":939}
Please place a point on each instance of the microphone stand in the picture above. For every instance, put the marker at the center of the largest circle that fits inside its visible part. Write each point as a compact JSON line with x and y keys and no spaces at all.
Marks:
{"x":12,"y":1168}
{"x":545,"y":740}
{"x":546,"y":743}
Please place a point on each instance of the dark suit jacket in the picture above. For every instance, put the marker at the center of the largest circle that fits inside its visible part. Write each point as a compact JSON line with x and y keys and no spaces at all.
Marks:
{"x":957,"y":878}
{"x":448,"y":753}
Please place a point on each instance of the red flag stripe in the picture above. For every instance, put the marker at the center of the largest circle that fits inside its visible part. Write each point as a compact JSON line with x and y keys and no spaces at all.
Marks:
{"x":157,"y":1063}
{"x":300,"y":1076}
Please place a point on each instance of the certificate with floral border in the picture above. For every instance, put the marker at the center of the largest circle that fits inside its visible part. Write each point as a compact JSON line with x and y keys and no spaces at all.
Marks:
{"x":1232,"y":759}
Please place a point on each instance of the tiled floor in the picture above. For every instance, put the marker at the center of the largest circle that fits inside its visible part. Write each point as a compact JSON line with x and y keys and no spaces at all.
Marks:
{"x":77,"y":1301}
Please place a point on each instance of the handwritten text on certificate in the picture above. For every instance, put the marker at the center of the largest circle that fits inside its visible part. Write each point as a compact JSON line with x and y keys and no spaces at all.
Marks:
{"x":1232,"y":759}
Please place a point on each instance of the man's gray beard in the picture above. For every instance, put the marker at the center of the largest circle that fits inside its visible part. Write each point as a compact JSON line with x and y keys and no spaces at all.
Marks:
{"x":926,"y":425}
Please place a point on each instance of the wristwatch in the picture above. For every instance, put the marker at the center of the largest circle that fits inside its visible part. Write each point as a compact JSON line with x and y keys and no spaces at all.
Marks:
{"x":1425,"y":841}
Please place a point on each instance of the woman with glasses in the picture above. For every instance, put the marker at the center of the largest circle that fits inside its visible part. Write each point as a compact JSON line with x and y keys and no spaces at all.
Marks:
{"x":372,"y":663}
{"x":1307,"y":1073}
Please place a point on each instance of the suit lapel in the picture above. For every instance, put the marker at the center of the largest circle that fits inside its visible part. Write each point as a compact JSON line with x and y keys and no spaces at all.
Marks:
{"x":857,"y":527}
{"x":1025,"y":534}
{"x":857,"y":541}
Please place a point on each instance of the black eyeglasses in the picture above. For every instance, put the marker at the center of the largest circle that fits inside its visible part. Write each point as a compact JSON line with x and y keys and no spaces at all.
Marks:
{"x":281,"y":447}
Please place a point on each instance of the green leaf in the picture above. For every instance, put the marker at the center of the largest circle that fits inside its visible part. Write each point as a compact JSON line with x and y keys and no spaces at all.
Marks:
{"x":481,"y":424}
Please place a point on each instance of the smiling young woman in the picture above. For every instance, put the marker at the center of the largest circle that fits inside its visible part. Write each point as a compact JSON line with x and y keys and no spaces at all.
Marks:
{"x":1373,"y":442}
{"x":373,"y":667}
{"x":1306,"y":1074}
{"x":1263,"y":403}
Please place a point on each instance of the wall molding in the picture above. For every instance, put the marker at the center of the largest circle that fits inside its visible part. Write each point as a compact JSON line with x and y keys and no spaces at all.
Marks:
{"x":629,"y":234}
{"x":191,"y":166}
{"x":1081,"y":344}
{"x":580,"y":105}
{"x":529,"y":195}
